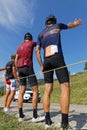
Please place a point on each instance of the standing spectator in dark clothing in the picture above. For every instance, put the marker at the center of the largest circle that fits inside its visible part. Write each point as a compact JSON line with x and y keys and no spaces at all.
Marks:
{"x":49,"y":39}
{"x":24,"y":65}
{"x":11,"y":80}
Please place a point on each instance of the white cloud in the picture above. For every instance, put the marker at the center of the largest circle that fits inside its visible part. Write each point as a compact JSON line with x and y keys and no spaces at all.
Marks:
{"x":17,"y":13}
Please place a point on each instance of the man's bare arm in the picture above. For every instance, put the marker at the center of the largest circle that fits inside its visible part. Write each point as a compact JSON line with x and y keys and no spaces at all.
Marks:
{"x":38,"y":55}
{"x":75,"y":23}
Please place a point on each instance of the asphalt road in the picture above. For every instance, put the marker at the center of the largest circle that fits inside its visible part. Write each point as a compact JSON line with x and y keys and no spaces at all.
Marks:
{"x":77,"y":114}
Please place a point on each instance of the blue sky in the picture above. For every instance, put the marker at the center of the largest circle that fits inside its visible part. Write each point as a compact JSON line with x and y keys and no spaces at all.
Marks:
{"x":20,"y":16}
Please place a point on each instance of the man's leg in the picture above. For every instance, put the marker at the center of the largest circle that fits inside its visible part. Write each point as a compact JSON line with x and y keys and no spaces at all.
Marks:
{"x":6,"y":98}
{"x":10,"y":98}
{"x":20,"y":101}
{"x":46,"y":102}
{"x":36,"y":118}
{"x":10,"y":92}
{"x":35,"y":100}
{"x":65,"y":102}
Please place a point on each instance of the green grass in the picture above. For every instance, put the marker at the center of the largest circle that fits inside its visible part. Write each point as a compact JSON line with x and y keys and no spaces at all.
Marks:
{"x":78,"y":96}
{"x":78,"y":89}
{"x":8,"y":122}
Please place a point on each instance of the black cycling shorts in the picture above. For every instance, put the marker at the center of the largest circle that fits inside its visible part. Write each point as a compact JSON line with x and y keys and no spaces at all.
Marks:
{"x":27,"y":73}
{"x":55,"y":62}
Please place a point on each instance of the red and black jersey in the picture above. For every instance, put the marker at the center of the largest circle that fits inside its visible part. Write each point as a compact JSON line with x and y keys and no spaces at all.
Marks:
{"x":25,"y":53}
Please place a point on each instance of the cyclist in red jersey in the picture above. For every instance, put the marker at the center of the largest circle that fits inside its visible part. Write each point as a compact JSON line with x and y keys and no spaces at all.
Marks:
{"x":24,"y":65}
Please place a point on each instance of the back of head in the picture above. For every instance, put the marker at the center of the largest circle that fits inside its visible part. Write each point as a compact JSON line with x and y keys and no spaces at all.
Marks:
{"x":51,"y":19}
{"x":28,"y":36}
{"x":13,"y":57}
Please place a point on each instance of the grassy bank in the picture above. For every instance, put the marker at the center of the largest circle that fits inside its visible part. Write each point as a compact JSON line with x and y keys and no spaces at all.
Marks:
{"x":78,"y":89}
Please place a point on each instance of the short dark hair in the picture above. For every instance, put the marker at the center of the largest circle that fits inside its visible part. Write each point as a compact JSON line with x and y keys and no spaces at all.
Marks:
{"x":51,"y":19}
{"x":28,"y":36}
{"x":13,"y":56}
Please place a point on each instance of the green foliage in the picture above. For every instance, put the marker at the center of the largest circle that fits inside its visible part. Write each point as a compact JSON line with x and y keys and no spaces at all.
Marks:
{"x":85,"y":68}
{"x":1,"y":91}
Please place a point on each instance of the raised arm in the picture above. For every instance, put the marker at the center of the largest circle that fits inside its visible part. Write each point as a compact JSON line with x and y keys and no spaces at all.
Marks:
{"x":75,"y":23}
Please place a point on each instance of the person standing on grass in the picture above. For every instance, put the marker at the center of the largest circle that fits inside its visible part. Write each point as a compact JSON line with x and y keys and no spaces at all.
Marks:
{"x":11,"y":80}
{"x":50,"y":40}
{"x":24,"y":64}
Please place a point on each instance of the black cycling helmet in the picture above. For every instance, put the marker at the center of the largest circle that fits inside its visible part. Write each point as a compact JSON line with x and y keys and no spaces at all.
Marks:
{"x":28,"y":36}
{"x":51,"y":19}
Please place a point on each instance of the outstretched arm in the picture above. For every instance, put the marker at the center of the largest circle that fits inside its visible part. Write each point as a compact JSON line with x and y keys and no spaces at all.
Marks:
{"x":75,"y":23}
{"x":1,"y":69}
